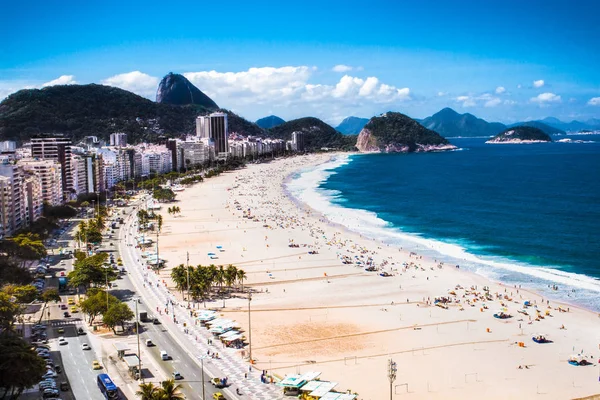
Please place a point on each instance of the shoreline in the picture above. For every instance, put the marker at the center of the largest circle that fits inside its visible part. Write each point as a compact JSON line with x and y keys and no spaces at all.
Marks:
{"x":449,"y":259}
{"x":312,"y":312}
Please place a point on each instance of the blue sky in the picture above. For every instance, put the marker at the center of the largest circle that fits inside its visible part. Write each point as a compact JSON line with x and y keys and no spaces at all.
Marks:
{"x":505,"y":61}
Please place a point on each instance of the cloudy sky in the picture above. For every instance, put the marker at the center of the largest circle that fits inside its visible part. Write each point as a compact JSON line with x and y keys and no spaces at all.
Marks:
{"x":505,"y":61}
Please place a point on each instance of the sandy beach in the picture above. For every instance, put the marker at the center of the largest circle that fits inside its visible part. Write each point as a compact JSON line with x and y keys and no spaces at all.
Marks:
{"x":313,"y":312}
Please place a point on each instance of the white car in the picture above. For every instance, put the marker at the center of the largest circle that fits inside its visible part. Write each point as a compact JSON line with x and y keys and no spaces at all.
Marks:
{"x":85,"y":346}
{"x":62,"y":340}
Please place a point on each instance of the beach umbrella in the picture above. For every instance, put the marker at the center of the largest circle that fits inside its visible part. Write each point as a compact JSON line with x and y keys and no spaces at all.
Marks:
{"x":219,"y":247}
{"x":211,"y":254}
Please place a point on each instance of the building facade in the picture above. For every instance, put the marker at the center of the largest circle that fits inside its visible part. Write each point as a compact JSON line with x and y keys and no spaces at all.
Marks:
{"x":57,"y":148}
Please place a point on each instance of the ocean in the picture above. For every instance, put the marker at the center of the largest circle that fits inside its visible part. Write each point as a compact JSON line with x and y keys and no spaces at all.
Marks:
{"x":519,"y":214}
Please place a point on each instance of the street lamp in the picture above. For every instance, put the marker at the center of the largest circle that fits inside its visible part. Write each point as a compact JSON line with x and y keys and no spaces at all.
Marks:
{"x":249,"y":326}
{"x":392,"y":369}
{"x":202,"y":366}
{"x":137,"y":331}
{"x":106,"y":268}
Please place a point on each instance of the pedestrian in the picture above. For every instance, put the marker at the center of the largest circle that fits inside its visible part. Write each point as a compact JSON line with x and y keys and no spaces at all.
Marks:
{"x":245,"y":375}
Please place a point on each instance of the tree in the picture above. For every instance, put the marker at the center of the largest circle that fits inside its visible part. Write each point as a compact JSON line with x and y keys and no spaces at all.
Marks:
{"x":11,"y":272}
{"x":117,"y":314}
{"x":89,"y":271}
{"x":24,"y":247}
{"x":179,"y":276}
{"x":95,"y":304}
{"x":170,"y":210}
{"x":20,"y":367}
{"x":9,"y":309}
{"x":163,"y":194}
{"x":241,"y":275}
{"x":170,"y":390}
{"x":50,"y":294}
{"x":25,"y":294}
{"x":148,"y":391}
{"x":230,"y":275}
{"x":159,"y":222}
{"x":59,"y":212}
{"x":84,"y":204}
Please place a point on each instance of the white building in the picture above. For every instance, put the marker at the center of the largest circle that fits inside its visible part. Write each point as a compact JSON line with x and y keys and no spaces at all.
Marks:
{"x":50,"y":175}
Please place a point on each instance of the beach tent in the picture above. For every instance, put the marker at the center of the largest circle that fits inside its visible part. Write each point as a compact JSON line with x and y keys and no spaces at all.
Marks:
{"x":298,"y":380}
{"x":323,"y":389}
{"x":338,"y":396}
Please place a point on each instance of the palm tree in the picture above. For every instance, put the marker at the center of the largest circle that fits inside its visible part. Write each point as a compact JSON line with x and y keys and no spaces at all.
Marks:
{"x":220,"y":279}
{"x":148,"y":391}
{"x":241,"y":275}
{"x":178,"y":274}
{"x":159,"y":220}
{"x":170,"y":210}
{"x":230,"y":275}
{"x":170,"y":391}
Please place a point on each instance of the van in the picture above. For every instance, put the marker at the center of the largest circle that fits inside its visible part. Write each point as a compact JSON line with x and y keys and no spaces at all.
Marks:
{"x":164,"y":356}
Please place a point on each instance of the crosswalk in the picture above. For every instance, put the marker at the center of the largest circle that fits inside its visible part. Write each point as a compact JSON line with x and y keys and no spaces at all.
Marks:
{"x":65,"y":323}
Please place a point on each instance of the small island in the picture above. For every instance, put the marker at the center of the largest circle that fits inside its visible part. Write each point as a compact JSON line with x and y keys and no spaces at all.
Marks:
{"x":520,"y":134}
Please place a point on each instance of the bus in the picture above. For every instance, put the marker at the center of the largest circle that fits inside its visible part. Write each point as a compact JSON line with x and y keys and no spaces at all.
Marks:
{"x":107,"y":387}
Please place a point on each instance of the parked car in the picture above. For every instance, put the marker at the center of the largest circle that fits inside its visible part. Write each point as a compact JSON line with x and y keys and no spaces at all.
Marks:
{"x":85,"y":346}
{"x":62,"y":340}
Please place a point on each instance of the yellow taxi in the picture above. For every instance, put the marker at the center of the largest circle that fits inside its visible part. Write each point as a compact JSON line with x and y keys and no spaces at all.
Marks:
{"x":96,"y":365}
{"x":218,"y":396}
{"x":74,"y":309}
{"x":71,"y":301}
{"x":60,"y":330}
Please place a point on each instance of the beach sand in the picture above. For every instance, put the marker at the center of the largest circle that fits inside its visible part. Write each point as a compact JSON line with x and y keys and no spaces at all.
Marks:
{"x":311,"y":312}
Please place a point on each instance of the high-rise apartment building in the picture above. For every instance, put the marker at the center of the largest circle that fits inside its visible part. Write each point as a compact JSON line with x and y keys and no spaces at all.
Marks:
{"x":50,"y":174}
{"x":56,"y":148}
{"x":214,"y":127}
{"x":118,"y":139}
{"x":13,"y":199}
{"x":32,"y":190}
{"x":298,"y":141}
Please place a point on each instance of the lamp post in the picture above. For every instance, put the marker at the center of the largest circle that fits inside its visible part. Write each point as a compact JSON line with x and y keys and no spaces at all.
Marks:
{"x":137,"y":331}
{"x":106,"y":268}
{"x":249,"y":326}
{"x":392,"y":370}
{"x":202,"y":366}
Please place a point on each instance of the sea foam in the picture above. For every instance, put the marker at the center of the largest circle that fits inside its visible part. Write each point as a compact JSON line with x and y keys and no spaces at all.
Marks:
{"x":306,"y":187}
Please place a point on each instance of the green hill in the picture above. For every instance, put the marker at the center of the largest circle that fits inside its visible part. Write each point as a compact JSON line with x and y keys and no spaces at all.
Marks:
{"x":269,"y":122}
{"x":85,"y":110}
{"x":317,"y":134}
{"x":396,"y":132}
{"x":520,"y":134}
{"x":175,"y":89}
{"x":352,"y":125}
{"x":449,"y":123}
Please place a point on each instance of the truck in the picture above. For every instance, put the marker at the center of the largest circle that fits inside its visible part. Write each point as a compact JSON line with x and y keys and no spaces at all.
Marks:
{"x":144,"y":316}
{"x":62,"y":283}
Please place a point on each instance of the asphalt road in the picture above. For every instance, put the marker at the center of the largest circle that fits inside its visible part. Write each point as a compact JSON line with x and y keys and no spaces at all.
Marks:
{"x":181,"y":360}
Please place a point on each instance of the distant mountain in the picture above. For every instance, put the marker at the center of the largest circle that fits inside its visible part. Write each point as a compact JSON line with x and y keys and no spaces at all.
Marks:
{"x":317,"y":134}
{"x":393,"y":132}
{"x":83,"y":110}
{"x":352,"y":125}
{"x":269,"y":122}
{"x":521,"y":134}
{"x":547,"y":129}
{"x":573,"y":126}
{"x":449,"y":123}
{"x":175,"y":89}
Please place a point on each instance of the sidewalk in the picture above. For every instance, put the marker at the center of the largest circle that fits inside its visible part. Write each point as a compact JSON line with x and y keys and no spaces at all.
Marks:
{"x":229,"y":364}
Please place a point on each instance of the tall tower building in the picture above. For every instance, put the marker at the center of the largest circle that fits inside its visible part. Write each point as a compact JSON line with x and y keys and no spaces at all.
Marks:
{"x":118,"y":139}
{"x":56,"y":148}
{"x":219,"y":134}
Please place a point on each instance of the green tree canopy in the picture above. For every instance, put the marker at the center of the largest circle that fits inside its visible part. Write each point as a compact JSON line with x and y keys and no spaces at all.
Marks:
{"x":9,"y":309}
{"x":20,"y":366}
{"x":95,"y":304}
{"x":90,"y":271}
{"x":163,"y":194}
{"x":117,"y":314}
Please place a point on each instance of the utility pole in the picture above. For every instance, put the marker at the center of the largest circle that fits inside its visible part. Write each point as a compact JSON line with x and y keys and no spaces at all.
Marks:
{"x":202,"y":365}
{"x":137,"y":331}
{"x":392,"y":369}
{"x":249,"y":326}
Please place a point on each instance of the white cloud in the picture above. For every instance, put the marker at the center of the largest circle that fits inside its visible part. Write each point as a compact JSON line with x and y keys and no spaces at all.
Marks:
{"x":62,"y":80}
{"x":492,"y":102}
{"x":487,"y":99}
{"x":500,"y":90}
{"x":441,"y":94}
{"x":594,"y":101}
{"x":545,"y":98}
{"x":342,"y":68}
{"x":136,"y":82}
{"x":538,"y":83}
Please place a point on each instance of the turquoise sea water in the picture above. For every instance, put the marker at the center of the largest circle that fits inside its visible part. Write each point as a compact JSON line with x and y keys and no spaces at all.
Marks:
{"x":520,"y":214}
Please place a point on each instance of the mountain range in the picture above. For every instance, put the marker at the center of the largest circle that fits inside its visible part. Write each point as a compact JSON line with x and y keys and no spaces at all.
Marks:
{"x":269,"y":122}
{"x":352,"y":125}
{"x":449,"y":123}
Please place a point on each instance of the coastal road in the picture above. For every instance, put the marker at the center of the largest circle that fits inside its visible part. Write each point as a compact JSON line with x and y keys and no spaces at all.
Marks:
{"x":181,"y":358}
